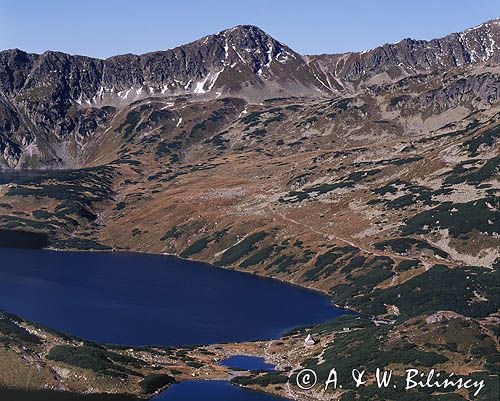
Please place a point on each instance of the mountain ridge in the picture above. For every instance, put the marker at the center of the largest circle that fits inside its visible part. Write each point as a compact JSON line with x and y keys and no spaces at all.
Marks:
{"x":55,"y":100}
{"x":386,"y":54}
{"x":493,"y":22}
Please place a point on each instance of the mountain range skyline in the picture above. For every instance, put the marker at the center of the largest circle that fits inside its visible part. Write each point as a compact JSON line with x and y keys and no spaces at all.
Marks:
{"x":494,"y":21}
{"x":319,"y":27}
{"x":45,"y":99}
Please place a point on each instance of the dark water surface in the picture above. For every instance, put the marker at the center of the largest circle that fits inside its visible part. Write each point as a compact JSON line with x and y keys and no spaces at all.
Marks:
{"x":48,"y":395}
{"x":213,"y":390}
{"x":139,"y":299}
{"x":247,"y":362}
{"x":12,"y":176}
{"x":201,"y":390}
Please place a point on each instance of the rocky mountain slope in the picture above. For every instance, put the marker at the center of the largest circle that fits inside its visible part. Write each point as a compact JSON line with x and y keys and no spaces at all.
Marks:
{"x":52,"y":104}
{"x":370,"y":176}
{"x":391,"y":62}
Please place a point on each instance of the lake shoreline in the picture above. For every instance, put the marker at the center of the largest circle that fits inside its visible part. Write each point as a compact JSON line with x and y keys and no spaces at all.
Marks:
{"x":255,"y":349}
{"x":252,"y":273}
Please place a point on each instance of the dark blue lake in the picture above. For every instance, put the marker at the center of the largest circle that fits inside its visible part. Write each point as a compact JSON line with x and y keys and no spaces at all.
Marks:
{"x":185,"y":391}
{"x":247,"y":362}
{"x":137,"y":299}
{"x":7,"y":176}
{"x":214,"y":390}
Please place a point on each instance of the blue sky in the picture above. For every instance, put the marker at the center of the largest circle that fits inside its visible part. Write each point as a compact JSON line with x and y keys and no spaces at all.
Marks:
{"x":102,"y":28}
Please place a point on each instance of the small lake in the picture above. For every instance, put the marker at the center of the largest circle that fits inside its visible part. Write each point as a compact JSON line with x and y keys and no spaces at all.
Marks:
{"x":213,"y":390}
{"x":139,"y":299}
{"x":8,"y":176}
{"x":247,"y":362}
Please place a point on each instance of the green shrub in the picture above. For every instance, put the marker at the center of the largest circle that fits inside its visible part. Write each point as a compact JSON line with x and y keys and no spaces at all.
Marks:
{"x":11,"y":330}
{"x":195,"y":247}
{"x":261,"y":379}
{"x":154,"y":382}
{"x":258,"y":257}
{"x":94,"y":358}
{"x":242,"y":248}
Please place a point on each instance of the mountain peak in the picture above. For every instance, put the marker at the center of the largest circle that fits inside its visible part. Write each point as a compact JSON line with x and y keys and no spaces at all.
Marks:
{"x":246,"y":37}
{"x":244,"y":30}
{"x":244,"y":47}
